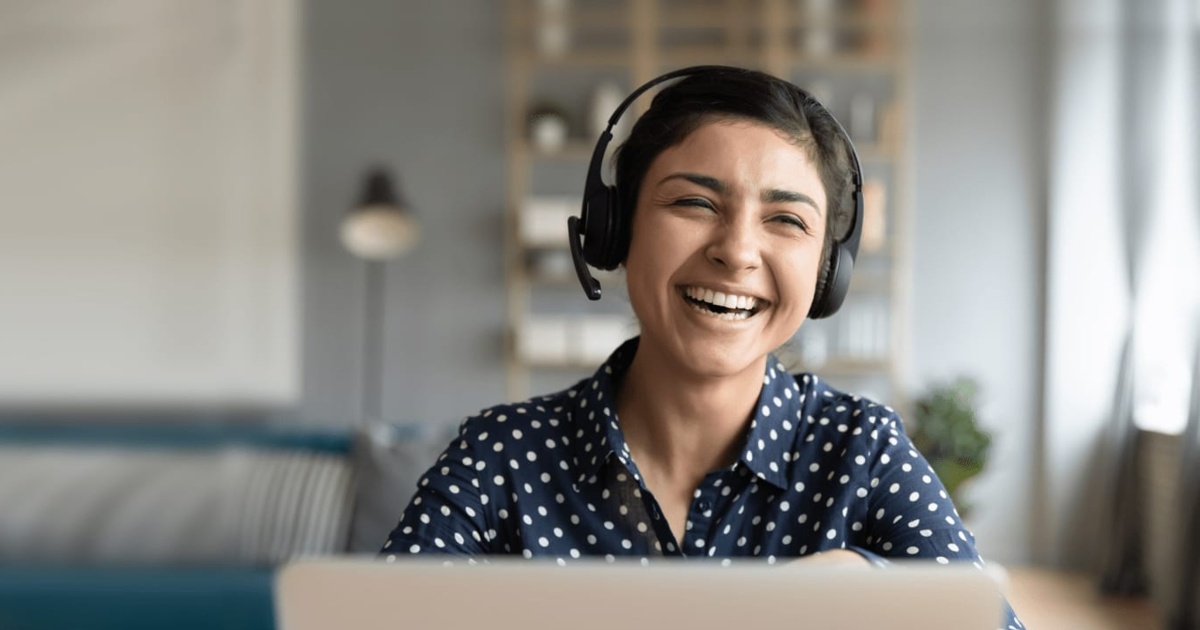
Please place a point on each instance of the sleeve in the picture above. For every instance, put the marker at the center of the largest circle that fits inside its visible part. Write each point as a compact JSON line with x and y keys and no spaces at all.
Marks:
{"x":448,"y":514}
{"x":910,"y":515}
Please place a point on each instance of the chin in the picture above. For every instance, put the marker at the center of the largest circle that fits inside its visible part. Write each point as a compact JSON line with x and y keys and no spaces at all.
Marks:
{"x":714,"y":361}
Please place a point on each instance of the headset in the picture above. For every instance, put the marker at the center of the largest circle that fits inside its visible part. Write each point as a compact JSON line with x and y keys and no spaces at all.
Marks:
{"x":598,"y":236}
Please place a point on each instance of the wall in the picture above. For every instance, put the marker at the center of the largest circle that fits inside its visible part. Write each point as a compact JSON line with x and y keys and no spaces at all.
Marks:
{"x":147,"y":210}
{"x":978,"y":251}
{"x":418,"y":86}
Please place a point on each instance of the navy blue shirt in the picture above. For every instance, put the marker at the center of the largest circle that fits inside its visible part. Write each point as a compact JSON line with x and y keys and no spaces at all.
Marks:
{"x":553,"y":477}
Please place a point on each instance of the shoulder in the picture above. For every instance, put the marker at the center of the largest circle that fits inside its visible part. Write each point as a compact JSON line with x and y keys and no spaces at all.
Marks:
{"x":508,"y":426}
{"x":824,"y":405}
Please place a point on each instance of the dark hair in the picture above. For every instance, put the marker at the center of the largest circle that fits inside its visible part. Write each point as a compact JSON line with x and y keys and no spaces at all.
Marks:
{"x":682,"y":107}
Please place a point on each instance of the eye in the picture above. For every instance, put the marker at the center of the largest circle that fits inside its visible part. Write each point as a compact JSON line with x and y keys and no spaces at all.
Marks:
{"x":694,"y":202}
{"x":791,"y":220}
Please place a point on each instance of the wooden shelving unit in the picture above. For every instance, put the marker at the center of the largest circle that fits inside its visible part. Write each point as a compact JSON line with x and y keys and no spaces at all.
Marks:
{"x":853,"y":54}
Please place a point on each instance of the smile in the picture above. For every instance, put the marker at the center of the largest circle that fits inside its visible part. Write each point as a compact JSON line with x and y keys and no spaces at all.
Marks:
{"x":724,"y":305}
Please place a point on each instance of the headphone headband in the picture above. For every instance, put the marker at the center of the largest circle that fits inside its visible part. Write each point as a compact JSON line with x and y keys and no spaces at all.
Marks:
{"x":597,"y":163}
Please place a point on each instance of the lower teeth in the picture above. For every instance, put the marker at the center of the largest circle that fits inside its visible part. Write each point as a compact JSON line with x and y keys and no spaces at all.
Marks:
{"x":728,"y":315}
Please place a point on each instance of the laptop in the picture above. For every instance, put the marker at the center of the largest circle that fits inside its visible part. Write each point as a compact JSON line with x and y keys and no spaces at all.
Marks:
{"x":366,"y":594}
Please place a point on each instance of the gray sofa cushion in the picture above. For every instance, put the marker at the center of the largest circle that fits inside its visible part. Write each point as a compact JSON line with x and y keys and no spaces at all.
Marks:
{"x":389,"y":460}
{"x":223,"y":506}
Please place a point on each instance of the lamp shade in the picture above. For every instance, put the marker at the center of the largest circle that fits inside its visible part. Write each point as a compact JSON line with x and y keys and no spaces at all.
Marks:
{"x":380,"y":226}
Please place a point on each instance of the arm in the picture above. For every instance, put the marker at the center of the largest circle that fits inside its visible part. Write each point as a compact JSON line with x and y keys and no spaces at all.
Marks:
{"x":910,"y":515}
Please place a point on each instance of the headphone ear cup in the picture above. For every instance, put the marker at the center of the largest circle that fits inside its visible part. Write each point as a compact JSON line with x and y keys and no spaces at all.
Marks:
{"x":834,"y":283}
{"x":616,"y":239}
{"x":595,"y":226}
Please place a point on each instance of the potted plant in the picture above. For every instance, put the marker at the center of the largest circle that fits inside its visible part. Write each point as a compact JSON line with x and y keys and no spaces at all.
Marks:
{"x":945,"y":430}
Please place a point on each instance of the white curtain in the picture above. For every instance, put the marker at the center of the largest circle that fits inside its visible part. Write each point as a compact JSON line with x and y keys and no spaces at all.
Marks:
{"x":1123,"y":293}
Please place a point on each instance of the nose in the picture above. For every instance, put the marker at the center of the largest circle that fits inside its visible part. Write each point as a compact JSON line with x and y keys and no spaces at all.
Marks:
{"x":736,"y":246}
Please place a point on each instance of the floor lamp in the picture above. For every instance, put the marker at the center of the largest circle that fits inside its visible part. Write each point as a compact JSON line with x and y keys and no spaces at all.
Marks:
{"x":380,"y":227}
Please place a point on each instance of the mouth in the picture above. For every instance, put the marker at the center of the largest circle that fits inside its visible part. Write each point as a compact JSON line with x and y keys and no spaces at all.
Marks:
{"x":727,"y":306}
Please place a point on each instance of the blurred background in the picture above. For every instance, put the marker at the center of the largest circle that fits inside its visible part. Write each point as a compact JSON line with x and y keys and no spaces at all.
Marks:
{"x":261,"y":258}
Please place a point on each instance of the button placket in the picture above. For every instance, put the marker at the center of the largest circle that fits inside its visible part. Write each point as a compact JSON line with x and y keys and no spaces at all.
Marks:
{"x":699,"y":535}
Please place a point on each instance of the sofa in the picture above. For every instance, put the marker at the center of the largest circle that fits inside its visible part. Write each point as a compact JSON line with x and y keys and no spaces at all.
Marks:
{"x":183,"y":525}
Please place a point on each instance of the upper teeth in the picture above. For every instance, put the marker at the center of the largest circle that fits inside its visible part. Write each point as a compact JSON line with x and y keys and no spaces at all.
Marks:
{"x":717,"y":298}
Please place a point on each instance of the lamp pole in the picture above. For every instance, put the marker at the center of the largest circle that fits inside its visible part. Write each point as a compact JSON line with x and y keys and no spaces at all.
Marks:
{"x":379,"y":228}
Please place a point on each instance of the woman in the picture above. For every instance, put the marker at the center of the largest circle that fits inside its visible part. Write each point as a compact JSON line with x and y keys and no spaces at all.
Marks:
{"x":692,"y":440}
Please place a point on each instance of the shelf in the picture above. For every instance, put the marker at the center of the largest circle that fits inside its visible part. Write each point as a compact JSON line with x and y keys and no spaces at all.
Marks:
{"x":573,"y":151}
{"x":579,"y":59}
{"x":875,"y":152}
{"x":731,"y":17}
{"x":569,"y":364}
{"x":606,"y":282}
{"x":865,"y":52}
{"x":591,"y":18}
{"x":863,"y":284}
{"x":847,"y":367}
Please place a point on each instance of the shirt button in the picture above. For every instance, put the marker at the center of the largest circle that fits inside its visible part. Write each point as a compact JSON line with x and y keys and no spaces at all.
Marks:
{"x":705,"y":505}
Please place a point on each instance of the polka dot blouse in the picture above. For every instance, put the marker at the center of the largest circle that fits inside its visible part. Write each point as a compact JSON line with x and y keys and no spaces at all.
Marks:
{"x":553,"y":477}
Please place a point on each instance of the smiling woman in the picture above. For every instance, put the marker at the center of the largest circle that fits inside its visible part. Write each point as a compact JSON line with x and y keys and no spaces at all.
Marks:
{"x":736,"y":215}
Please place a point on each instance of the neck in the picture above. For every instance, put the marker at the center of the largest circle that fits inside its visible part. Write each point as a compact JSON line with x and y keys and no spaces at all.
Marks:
{"x":685,"y":425}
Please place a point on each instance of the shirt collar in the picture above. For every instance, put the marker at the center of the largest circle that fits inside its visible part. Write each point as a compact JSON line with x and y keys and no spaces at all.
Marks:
{"x":598,"y":436}
{"x":768,"y":451}
{"x":593,"y":407}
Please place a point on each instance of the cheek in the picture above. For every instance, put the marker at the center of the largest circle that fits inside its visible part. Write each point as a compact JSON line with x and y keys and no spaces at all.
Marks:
{"x":803,"y":269}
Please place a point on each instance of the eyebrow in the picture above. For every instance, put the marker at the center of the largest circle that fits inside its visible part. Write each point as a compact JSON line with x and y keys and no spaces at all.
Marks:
{"x":773,"y":195}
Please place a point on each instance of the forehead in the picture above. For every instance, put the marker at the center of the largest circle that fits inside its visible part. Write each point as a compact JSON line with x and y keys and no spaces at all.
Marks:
{"x":748,"y":151}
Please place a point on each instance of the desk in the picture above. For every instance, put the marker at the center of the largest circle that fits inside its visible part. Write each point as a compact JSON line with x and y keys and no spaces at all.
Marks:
{"x":1054,"y":600}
